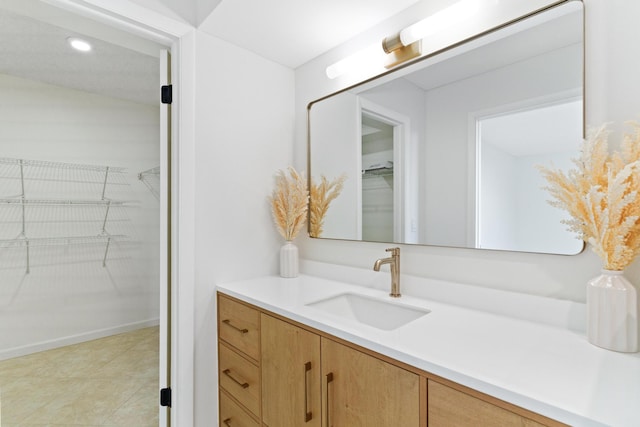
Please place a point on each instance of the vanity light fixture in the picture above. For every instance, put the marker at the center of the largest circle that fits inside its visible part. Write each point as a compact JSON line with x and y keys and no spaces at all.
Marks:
{"x":374,"y":58}
{"x":79,"y":44}
{"x":365,"y":59}
{"x":397,"y":52}
{"x":439,"y":21}
{"x":406,"y":44}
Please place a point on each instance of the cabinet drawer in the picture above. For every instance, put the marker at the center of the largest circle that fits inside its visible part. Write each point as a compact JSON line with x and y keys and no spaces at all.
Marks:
{"x":232,"y":415}
{"x":239,"y":325}
{"x":452,"y":408}
{"x":240,"y":378}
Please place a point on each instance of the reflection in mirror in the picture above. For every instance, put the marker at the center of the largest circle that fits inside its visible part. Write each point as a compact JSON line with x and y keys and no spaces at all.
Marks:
{"x":511,"y":145}
{"x":443,"y":152}
{"x":377,"y":179}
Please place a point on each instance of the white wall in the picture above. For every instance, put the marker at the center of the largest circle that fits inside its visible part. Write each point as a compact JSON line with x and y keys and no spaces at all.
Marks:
{"x":244,"y":133}
{"x":497,"y":216}
{"x":514,"y":209}
{"x":611,"y":95}
{"x":533,"y":208}
{"x":68,"y":295}
{"x":336,"y":124}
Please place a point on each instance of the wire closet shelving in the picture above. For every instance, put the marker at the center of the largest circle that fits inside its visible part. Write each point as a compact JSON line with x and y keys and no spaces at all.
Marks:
{"x":53,"y":203}
{"x":151,"y":178}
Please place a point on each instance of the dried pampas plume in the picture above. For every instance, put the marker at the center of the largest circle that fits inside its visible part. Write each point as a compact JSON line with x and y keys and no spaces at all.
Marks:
{"x":289,"y":203}
{"x":602,"y":195}
{"x":321,"y":195}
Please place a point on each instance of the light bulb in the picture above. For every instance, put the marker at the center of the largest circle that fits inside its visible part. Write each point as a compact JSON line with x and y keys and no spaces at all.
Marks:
{"x":438,"y":21}
{"x":370,"y":58}
{"x":79,"y":44}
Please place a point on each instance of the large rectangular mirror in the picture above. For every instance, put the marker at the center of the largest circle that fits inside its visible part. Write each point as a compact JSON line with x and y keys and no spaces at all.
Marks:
{"x":443,"y":152}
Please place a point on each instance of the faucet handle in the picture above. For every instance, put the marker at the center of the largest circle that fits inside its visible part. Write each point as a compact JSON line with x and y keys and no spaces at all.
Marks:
{"x":394,"y":251}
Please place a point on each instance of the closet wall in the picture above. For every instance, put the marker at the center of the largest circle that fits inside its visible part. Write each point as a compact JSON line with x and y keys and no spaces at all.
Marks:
{"x":70,"y":292}
{"x":377,"y":180}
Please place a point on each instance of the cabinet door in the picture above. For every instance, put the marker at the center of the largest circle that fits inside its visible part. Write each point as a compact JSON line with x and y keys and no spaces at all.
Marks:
{"x":290,"y":375}
{"x":360,"y":390}
{"x":453,"y":408}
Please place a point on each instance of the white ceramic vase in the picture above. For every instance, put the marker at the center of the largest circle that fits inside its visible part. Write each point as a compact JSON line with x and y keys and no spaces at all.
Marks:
{"x":289,"y":260}
{"x":612,"y":312}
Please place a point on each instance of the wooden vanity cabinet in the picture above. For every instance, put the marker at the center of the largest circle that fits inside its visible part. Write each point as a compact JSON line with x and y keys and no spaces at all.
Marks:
{"x":274,"y":372}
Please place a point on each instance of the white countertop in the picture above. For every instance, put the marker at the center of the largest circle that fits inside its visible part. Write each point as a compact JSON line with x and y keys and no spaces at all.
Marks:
{"x":548,"y":369}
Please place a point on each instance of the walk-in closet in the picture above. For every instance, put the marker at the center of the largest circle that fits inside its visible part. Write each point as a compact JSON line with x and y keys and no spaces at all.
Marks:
{"x":80,"y":221}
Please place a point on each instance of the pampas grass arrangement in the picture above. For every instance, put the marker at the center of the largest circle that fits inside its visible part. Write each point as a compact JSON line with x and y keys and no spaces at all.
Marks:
{"x":289,"y":203}
{"x":321,"y":196}
{"x":602,"y":195}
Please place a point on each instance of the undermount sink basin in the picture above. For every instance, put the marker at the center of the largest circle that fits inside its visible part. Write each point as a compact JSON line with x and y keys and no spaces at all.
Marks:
{"x":374,"y":312}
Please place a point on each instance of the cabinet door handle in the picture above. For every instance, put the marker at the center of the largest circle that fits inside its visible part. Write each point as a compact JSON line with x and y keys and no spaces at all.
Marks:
{"x":228,"y":323}
{"x":307,"y":413}
{"x":227,"y":372}
{"x":329,"y":380}
{"x":227,"y":422}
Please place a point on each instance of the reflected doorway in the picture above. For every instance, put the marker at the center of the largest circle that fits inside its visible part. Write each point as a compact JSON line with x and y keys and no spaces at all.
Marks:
{"x":512,"y":206}
{"x":377,"y":179}
{"x":385,"y":173}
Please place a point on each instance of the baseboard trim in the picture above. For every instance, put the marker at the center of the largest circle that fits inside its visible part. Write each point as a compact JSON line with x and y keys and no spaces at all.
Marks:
{"x":75,"y":339}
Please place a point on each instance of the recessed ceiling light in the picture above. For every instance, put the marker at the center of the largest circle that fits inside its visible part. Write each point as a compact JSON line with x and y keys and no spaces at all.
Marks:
{"x":79,"y":44}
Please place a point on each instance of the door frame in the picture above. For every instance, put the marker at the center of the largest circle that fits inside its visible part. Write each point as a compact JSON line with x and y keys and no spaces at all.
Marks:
{"x":164,"y":376}
{"x":179,"y":38}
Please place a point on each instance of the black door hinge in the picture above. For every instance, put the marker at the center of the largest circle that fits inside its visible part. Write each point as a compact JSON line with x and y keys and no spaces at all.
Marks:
{"x":166,"y":94}
{"x":165,"y":397}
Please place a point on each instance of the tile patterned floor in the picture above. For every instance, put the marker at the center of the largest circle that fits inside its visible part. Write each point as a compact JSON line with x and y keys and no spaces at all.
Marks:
{"x":111,"y":381}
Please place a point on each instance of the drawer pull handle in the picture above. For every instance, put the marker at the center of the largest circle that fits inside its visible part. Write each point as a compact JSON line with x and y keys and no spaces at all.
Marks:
{"x":227,"y":372}
{"x":329,"y":380}
{"x":228,"y":323}
{"x":307,"y":414}
{"x":227,"y":422}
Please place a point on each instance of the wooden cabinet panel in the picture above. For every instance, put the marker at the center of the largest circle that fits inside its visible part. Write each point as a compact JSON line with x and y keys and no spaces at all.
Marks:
{"x":240,"y":378}
{"x":239,"y":325}
{"x":452,"y":408}
{"x":290,"y":375}
{"x":232,"y":414}
{"x":360,"y":390}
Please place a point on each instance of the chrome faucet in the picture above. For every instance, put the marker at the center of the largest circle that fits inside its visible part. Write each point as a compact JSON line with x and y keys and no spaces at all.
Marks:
{"x":394,"y":263}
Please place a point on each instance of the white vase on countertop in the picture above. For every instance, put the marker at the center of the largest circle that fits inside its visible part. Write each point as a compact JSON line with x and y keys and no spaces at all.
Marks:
{"x":612,"y":312}
{"x":289,"y":260}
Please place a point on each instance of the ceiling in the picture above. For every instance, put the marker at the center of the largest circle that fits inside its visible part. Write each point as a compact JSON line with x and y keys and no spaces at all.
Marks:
{"x":37,"y":50}
{"x":290,"y":32}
